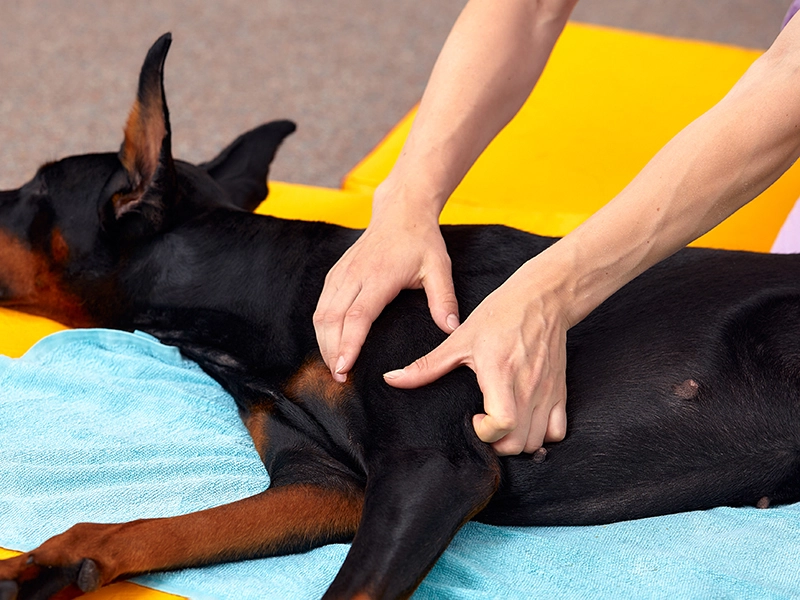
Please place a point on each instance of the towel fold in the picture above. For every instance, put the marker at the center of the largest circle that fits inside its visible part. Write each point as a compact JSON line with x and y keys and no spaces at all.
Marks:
{"x":106,"y":426}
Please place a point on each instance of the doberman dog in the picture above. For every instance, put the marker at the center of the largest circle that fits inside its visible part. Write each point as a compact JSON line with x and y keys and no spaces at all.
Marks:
{"x":684,"y":387}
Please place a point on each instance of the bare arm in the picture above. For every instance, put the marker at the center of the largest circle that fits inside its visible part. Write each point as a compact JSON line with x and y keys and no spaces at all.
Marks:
{"x":487,"y":68}
{"x":710,"y":169}
{"x":491,"y":61}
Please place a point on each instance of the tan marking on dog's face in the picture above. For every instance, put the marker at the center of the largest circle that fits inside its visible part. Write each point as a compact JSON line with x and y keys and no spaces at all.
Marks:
{"x":31,"y":286}
{"x":314,"y":381}
{"x":59,"y":249}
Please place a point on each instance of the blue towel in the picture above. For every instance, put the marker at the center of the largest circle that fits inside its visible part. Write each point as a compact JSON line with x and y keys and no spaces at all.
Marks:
{"x":106,"y":426}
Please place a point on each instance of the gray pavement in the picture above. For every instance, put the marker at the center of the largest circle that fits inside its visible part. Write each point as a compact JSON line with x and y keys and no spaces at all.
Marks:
{"x":344,"y":70}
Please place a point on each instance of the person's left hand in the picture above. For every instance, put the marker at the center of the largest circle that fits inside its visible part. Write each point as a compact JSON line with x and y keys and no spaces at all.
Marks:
{"x":515,"y":341}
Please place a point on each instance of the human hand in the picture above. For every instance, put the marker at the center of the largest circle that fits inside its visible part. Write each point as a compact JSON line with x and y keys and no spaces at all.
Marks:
{"x":394,"y":253}
{"x":515,"y":341}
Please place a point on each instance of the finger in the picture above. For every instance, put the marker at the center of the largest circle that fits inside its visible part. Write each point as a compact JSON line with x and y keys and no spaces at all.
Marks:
{"x":442,"y":300}
{"x":329,"y":321}
{"x":538,"y":427}
{"x":358,"y":320}
{"x":549,"y":401}
{"x":440,"y":361}
{"x":514,"y":442}
{"x":557,"y":423}
{"x":500,"y":406}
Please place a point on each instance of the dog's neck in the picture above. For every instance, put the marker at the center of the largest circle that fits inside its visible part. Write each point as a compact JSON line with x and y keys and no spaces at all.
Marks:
{"x":190,"y":272}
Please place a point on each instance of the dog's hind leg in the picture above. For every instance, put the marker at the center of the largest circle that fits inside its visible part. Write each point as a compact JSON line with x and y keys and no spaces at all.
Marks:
{"x":280,"y":520}
{"x":414,"y":504}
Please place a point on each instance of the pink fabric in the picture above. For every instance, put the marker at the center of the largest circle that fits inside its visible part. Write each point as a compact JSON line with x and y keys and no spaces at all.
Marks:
{"x":793,"y":8}
{"x":788,"y":240}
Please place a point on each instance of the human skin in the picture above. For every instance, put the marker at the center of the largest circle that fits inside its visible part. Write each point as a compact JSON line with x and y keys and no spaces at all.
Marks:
{"x":515,"y":340}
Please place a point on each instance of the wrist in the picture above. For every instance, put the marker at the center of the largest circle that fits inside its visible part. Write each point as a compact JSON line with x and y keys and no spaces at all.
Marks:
{"x":548,"y":278}
{"x":569,"y":280}
{"x":409,"y":204}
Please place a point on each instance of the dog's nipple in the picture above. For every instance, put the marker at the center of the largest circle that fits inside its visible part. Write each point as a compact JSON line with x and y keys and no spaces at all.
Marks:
{"x":763,"y":502}
{"x":540,"y":455}
{"x":687,"y":390}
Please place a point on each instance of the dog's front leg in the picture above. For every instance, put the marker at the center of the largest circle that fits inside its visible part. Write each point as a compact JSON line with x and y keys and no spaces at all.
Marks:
{"x":415,"y":502}
{"x":281,"y":520}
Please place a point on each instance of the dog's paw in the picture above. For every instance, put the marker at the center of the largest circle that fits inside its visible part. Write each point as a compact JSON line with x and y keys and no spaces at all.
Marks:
{"x":22,"y":578}
{"x":60,"y":568}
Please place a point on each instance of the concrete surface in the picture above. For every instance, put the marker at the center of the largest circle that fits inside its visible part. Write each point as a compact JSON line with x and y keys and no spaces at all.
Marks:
{"x":344,"y":70}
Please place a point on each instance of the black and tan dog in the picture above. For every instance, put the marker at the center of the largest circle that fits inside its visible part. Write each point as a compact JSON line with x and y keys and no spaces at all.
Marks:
{"x":684,"y":387}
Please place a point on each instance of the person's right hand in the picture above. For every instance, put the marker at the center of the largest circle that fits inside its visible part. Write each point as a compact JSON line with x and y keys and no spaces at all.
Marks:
{"x":395,"y":252}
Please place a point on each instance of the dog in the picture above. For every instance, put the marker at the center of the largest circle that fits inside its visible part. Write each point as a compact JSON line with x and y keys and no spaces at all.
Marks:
{"x":684,"y":386}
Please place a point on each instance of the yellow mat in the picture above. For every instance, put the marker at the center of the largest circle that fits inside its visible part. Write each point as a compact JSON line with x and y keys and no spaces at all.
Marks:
{"x":607,"y":102}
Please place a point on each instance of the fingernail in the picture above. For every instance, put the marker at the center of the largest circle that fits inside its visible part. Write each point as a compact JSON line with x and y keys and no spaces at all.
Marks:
{"x":341,"y":378}
{"x":393,"y":374}
{"x":452,"y":321}
{"x":339,"y":365}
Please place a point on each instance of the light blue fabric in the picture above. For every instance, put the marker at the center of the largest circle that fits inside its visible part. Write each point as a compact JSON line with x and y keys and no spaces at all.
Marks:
{"x":100,"y":425}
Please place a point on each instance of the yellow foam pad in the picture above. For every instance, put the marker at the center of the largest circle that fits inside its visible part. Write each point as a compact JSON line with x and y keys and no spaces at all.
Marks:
{"x":19,"y":331}
{"x":309,"y":203}
{"x":119,"y":591}
{"x":606,"y":103}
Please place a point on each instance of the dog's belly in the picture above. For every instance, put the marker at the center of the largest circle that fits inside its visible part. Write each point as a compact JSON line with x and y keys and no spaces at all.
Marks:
{"x":672,"y":406}
{"x":643,"y":454}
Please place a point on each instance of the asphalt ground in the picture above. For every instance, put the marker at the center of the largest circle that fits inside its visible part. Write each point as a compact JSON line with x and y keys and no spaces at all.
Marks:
{"x":344,"y":70}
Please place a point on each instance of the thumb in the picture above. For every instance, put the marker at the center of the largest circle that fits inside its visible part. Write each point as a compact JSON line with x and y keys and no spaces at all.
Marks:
{"x":442,"y":299}
{"x":440,"y":361}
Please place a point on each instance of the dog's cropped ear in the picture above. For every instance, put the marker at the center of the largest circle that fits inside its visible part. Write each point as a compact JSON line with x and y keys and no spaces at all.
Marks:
{"x":146,"y":152}
{"x":241,"y":168}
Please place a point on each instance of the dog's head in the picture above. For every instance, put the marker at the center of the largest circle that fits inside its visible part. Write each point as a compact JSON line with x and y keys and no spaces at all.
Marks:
{"x":64,"y":233}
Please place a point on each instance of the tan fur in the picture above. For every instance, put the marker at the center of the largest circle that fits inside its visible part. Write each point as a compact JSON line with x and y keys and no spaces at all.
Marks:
{"x":144,"y":135}
{"x":258,"y":525}
{"x":313,"y":381}
{"x":34,"y":287}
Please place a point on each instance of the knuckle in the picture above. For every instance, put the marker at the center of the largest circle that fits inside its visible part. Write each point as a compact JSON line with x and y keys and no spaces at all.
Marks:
{"x":331,"y":317}
{"x":422,"y":363}
{"x":356,"y":312}
{"x":510,"y":446}
{"x":449,"y":300}
{"x":504,"y":423}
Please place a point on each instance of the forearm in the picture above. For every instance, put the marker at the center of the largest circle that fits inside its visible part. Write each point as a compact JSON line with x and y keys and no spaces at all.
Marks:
{"x":488,"y":66}
{"x":713,"y":167}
